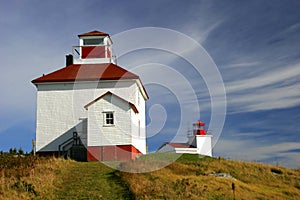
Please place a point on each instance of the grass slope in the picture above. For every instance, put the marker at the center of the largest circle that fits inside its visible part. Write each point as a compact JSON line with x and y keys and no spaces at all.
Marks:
{"x":90,"y":181}
{"x":40,"y":178}
{"x":187,"y":178}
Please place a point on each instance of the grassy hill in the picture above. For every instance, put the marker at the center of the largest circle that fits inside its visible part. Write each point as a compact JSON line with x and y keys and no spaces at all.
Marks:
{"x":52,"y":178}
{"x":190,"y":177}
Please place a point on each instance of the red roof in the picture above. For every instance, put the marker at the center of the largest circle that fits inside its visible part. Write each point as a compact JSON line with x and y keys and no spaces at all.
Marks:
{"x":94,"y":33}
{"x":179,"y":145}
{"x":200,"y":123}
{"x":110,"y":93}
{"x":87,"y":72}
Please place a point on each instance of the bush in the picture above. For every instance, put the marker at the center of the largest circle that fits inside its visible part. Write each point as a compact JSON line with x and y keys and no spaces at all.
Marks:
{"x":276,"y":171}
{"x":13,"y":151}
{"x":20,"y":151}
{"x":23,"y":186}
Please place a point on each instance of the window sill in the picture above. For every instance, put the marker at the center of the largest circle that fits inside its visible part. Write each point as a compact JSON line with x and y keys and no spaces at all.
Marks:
{"x":108,"y":125}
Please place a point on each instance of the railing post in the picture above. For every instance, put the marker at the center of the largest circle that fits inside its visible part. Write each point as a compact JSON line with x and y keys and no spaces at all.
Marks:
{"x":75,"y":137}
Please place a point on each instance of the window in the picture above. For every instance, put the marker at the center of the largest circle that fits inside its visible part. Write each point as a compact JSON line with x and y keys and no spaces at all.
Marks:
{"x":108,"y":118}
{"x":95,"y":41}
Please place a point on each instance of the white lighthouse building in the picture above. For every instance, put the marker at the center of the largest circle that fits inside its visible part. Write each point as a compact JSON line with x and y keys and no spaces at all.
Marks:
{"x":91,"y":109}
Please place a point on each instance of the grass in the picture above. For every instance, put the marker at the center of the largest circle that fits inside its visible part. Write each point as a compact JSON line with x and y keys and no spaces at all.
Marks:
{"x":90,"y":181}
{"x":40,"y":178}
{"x":187,"y":178}
{"x":28,"y":177}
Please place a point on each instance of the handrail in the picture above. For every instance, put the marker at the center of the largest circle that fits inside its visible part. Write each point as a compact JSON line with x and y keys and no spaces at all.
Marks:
{"x":75,"y":140}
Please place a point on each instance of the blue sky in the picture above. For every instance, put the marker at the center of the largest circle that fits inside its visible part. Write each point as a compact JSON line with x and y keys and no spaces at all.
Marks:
{"x":254,"y":44}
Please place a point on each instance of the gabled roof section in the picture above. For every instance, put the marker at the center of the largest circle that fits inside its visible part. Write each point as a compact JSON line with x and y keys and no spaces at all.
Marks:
{"x":179,"y":145}
{"x":87,"y":72}
{"x":93,"y":33}
{"x":110,"y":93}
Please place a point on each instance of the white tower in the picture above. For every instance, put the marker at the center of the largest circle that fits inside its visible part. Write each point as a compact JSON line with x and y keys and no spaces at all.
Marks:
{"x":201,"y":139}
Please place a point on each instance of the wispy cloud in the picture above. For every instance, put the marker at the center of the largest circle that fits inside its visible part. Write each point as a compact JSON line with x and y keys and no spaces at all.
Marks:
{"x":274,"y":76}
{"x":242,"y":64}
{"x":278,"y":88}
{"x":265,"y":99}
{"x":252,"y":151}
{"x":203,"y":33}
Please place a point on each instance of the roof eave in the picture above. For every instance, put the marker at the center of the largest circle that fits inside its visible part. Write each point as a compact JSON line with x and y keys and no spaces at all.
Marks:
{"x":143,"y":89}
{"x":35,"y":81}
{"x":93,"y":33}
{"x":133,"y":107}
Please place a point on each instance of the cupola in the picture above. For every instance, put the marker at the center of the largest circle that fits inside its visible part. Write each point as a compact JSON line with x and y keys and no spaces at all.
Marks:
{"x":94,"y":47}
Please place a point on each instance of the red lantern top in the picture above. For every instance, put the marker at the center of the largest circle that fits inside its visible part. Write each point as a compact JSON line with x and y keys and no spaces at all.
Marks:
{"x":199,"y":128}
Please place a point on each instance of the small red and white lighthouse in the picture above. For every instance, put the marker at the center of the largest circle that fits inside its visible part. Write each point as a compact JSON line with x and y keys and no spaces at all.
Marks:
{"x":200,"y":139}
{"x":198,"y":143}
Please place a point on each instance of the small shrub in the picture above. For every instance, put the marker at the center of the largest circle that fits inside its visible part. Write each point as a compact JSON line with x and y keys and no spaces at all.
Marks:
{"x":276,"y":171}
{"x":20,"y":151}
{"x":12,"y":151}
{"x":297,"y":185}
{"x":289,"y":193}
{"x":199,"y":173}
{"x":23,"y":186}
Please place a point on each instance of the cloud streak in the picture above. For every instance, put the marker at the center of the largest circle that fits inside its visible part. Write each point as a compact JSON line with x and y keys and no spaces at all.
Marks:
{"x":252,"y":151}
{"x":275,"y":89}
{"x":276,"y":76}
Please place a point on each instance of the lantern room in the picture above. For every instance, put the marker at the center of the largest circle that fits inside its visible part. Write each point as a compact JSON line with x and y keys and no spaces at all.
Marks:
{"x":199,"y":128}
{"x":94,"y":47}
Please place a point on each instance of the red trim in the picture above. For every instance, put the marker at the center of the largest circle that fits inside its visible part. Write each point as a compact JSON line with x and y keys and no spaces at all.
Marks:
{"x":94,"y":154}
{"x":124,"y":152}
{"x":110,"y":93}
{"x":135,"y":152}
{"x":112,"y":153}
{"x":93,"y":52}
{"x":178,"y":145}
{"x":94,"y":33}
